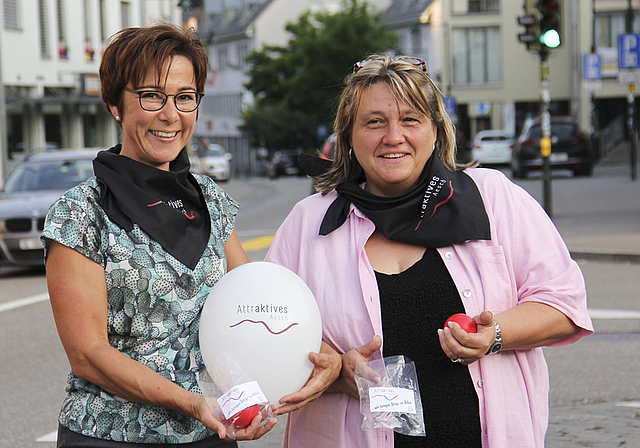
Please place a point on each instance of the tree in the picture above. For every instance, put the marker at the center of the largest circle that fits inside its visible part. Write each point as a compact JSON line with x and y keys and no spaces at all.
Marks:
{"x":296,"y":87}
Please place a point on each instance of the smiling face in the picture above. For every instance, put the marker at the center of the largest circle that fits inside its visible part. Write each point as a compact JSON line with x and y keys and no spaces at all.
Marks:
{"x":391,"y":141}
{"x":156,"y":138}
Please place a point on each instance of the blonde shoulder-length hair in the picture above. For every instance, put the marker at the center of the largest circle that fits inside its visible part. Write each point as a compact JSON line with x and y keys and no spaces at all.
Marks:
{"x":411,"y":84}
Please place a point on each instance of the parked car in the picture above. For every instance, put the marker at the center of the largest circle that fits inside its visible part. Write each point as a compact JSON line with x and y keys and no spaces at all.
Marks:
{"x":492,"y":146}
{"x":217,"y":163}
{"x":285,"y":162}
{"x":33,"y":185}
{"x":571,"y":148}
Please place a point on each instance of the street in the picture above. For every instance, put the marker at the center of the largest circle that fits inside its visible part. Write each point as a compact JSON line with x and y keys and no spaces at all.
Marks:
{"x":599,"y":371}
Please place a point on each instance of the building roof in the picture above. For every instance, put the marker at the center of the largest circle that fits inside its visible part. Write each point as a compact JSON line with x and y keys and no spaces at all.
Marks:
{"x":404,"y":13}
{"x":232,"y":24}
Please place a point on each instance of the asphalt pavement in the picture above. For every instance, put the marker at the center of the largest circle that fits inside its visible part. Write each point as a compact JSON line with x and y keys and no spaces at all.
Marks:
{"x":600,"y":225}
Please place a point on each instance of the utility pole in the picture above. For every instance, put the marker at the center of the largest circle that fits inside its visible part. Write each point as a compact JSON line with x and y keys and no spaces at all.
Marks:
{"x":545,"y":124}
{"x":631,"y":107}
{"x":542,"y":20}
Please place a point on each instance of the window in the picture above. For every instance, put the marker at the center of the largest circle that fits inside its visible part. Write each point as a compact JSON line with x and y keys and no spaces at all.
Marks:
{"x":103,"y":23}
{"x":474,"y":6}
{"x":223,"y":105}
{"x":243,"y":51}
{"x":609,"y":25}
{"x":62,"y":35}
{"x":87,"y":21}
{"x":11,"y":14}
{"x":477,"y":56}
{"x":125,"y":12}
{"x":223,"y":59}
{"x":44,"y":30}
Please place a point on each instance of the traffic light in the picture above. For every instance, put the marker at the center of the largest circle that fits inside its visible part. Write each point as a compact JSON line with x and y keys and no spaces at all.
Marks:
{"x":529,"y":20}
{"x":550,"y":23}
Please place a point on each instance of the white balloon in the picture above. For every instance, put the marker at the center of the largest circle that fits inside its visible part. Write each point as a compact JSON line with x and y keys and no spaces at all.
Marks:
{"x":265,"y":317}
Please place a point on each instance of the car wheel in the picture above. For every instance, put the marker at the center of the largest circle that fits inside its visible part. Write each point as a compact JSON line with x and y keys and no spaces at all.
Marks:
{"x":518,"y":172}
{"x":586,"y":170}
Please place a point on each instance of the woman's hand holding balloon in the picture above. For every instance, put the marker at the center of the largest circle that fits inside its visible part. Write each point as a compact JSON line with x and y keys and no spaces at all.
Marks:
{"x":202,"y":412}
{"x":326,"y":369}
{"x":469,"y":347}
{"x":254,"y":430}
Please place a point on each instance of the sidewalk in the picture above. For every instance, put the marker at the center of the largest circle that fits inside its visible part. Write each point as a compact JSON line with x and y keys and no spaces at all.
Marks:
{"x":594,"y":219}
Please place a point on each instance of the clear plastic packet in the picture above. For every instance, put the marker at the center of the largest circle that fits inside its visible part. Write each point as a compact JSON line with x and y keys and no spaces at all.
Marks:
{"x":232,"y":395}
{"x":390,"y":396}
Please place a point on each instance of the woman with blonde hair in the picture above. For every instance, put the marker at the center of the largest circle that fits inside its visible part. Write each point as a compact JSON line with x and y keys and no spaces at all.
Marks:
{"x":398,"y":239}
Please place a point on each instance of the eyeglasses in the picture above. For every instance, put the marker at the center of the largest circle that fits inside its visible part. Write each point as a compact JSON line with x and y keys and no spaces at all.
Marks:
{"x":409,"y":60}
{"x":154,"y":100}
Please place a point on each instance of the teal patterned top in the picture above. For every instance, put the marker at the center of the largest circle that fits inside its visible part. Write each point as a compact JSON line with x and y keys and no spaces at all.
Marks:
{"x":154,"y":312}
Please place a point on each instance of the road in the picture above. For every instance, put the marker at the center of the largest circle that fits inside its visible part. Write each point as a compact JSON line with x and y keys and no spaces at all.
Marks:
{"x":599,"y":369}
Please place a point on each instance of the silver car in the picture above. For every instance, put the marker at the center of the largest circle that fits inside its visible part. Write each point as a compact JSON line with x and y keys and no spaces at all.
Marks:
{"x":34,"y":184}
{"x":492,"y":146}
{"x":217,"y":163}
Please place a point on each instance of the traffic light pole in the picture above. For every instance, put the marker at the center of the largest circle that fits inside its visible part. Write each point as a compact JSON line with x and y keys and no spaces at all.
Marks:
{"x":631,"y":128}
{"x":631,"y":106}
{"x":545,"y":123}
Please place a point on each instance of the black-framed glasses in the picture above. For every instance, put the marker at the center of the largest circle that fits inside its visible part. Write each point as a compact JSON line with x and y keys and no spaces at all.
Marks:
{"x":154,"y":100}
{"x":407,"y":59}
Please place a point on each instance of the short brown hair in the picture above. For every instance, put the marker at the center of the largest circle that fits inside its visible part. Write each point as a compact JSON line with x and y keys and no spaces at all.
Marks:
{"x":409,"y":84}
{"x":132,"y":52}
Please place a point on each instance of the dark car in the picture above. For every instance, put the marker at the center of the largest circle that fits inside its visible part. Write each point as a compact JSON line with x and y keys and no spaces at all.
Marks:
{"x":33,"y":185}
{"x":285,"y":162}
{"x":571,"y":148}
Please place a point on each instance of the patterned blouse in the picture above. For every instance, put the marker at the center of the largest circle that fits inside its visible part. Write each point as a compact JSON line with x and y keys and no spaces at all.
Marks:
{"x":154,"y":312}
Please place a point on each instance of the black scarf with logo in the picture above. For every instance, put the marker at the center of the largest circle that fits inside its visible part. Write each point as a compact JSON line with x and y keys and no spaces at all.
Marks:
{"x":168,"y":205}
{"x":443,"y":208}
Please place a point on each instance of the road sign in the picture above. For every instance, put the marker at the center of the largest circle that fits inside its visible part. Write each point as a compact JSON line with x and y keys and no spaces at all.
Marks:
{"x":592,"y":72}
{"x":592,"y":66}
{"x":629,"y":51}
{"x":451,"y":105}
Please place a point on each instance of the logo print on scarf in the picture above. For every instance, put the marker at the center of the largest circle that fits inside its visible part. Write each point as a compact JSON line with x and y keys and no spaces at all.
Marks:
{"x":433,"y":189}
{"x":177,"y":204}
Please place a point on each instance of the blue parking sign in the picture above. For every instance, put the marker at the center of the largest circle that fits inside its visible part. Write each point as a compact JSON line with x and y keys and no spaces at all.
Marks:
{"x":592,"y":66}
{"x":629,"y":51}
{"x":450,"y":105}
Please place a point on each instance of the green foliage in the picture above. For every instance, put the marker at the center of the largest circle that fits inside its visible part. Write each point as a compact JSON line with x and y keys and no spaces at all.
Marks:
{"x":296,"y":87}
{"x":190,"y":4}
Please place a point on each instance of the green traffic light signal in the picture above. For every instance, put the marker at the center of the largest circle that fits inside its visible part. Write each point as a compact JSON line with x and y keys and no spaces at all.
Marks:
{"x":550,"y":23}
{"x":550,"y":39}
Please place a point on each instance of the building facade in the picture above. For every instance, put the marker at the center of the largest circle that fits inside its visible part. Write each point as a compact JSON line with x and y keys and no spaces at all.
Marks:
{"x":49,"y":58}
{"x":472,"y":50}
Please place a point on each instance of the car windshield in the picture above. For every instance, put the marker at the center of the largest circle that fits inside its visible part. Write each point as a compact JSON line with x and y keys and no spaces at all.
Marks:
{"x":564,"y":131}
{"x":49,"y":175}
{"x":494,"y":138}
{"x":214,"y":151}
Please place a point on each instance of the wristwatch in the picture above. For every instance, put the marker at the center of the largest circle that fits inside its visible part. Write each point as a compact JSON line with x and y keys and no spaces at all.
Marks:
{"x":497,"y":344}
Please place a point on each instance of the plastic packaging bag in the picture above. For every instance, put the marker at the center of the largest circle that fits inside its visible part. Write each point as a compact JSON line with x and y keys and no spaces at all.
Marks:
{"x":232,"y":395}
{"x":390,"y":396}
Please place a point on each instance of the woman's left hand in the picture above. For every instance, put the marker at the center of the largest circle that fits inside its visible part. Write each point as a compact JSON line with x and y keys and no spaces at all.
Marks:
{"x":326,"y":368}
{"x":469,"y":347}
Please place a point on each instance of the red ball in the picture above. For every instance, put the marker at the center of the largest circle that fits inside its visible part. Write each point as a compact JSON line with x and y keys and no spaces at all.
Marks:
{"x":465,"y":322}
{"x":244,"y":418}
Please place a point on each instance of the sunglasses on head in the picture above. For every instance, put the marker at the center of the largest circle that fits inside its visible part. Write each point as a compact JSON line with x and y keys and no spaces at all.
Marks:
{"x":405,"y":59}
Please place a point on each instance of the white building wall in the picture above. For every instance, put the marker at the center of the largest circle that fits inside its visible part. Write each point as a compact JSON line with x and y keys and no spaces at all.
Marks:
{"x":28,"y":74}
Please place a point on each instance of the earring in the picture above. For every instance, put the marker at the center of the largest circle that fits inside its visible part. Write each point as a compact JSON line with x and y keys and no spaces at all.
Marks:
{"x":351,"y":153}
{"x":117,"y":117}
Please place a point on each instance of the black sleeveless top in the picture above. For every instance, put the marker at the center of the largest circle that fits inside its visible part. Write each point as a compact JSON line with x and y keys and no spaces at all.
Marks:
{"x":415,"y":304}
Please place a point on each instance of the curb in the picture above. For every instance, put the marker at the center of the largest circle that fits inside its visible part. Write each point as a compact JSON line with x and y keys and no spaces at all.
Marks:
{"x":605,"y":255}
